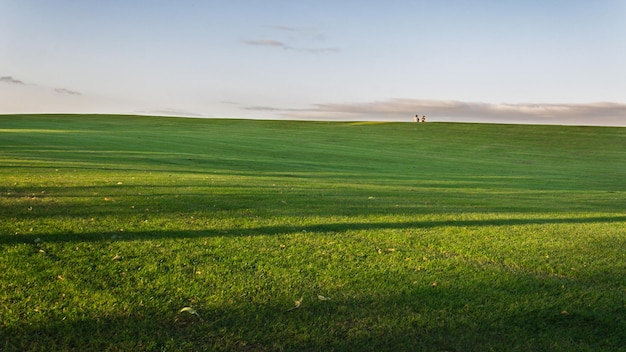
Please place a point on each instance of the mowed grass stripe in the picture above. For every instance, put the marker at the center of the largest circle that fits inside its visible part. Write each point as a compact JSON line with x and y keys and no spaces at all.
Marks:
{"x":391,"y":236}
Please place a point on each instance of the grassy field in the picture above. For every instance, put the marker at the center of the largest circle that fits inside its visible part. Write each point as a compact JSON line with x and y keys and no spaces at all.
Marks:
{"x":309,"y":236}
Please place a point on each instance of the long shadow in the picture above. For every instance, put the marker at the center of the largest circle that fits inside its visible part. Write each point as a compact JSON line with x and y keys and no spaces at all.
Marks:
{"x":287,"y":229}
{"x":468,"y":316}
{"x":264,"y":199}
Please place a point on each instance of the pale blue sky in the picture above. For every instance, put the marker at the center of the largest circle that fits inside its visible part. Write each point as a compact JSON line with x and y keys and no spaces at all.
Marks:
{"x":552,"y":61}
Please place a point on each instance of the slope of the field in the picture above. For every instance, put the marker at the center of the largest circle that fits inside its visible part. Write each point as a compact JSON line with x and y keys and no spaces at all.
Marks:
{"x":391,"y":236}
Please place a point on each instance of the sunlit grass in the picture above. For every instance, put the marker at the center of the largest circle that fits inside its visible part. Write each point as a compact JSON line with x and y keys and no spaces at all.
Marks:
{"x":444,"y":237}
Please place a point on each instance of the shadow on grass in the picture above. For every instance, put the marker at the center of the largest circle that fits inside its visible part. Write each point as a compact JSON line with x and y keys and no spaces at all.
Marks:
{"x":464,"y":317}
{"x":288,"y":229}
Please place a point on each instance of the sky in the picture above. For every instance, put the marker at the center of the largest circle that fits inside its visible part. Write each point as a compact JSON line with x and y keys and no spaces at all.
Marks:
{"x":530,"y":61}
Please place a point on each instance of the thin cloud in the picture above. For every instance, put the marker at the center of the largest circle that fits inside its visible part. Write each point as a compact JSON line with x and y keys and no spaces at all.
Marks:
{"x":275,"y":109}
{"x":284,"y":28}
{"x":298,"y":39}
{"x":320,"y":50}
{"x":267,"y":42}
{"x":264,"y":108}
{"x":601,"y":113}
{"x":10,"y":79}
{"x":285,"y":46}
{"x":170,"y":112}
{"x":278,"y":44}
{"x":308,"y":33}
{"x":66,"y":91}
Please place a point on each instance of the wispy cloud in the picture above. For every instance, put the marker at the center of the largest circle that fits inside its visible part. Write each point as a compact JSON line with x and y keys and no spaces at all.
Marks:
{"x":285,"y":28}
{"x":301,"y":33}
{"x":285,"y":46}
{"x":10,"y":79}
{"x":298,"y":39}
{"x":601,"y":113}
{"x":264,"y":108}
{"x":170,"y":112}
{"x":66,"y":91}
{"x":267,"y":42}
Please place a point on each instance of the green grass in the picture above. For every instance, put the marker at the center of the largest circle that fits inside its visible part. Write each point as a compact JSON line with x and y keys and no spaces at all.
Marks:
{"x":425,"y":237}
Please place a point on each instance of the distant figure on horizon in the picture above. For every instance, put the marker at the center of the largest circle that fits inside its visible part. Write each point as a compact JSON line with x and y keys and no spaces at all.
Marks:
{"x":417,"y":118}
{"x":423,"y":118}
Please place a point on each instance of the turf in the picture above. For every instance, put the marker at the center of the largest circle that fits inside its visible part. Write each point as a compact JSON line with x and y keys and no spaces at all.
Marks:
{"x":309,"y":235}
